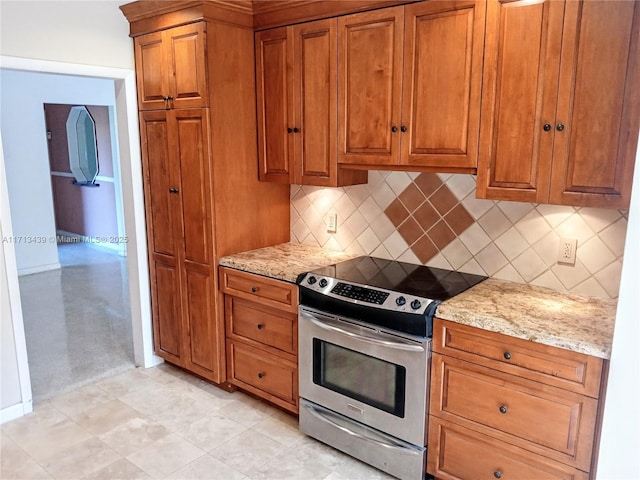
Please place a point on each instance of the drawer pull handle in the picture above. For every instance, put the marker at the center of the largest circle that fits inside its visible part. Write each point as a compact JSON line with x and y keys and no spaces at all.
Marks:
{"x":260,"y":326}
{"x":261,"y":375}
{"x":507,"y":356}
{"x":497,"y":474}
{"x":503,"y":409}
{"x":254,"y":289}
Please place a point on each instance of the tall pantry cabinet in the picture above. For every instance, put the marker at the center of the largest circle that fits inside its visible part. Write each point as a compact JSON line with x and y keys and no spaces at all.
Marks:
{"x":196,"y":99}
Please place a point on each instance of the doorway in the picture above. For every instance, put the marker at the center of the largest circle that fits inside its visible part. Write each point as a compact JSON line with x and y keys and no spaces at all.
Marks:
{"x":125,"y":111}
{"x":77,"y":318}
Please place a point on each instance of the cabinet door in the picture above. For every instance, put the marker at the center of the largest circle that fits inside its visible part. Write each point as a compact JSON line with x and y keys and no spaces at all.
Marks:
{"x":191,"y":131}
{"x":522,"y":57}
{"x":151,"y":71}
{"x":443,"y":53}
{"x":599,"y":105}
{"x":186,"y":69}
{"x":275,"y":109}
{"x":164,"y":228}
{"x":370,"y":86}
{"x":315,"y":99}
{"x":171,"y":64}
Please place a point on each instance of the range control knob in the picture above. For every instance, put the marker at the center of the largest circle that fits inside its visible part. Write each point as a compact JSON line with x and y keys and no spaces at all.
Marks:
{"x":311,"y":280}
{"x":401,"y":301}
{"x":323,"y":283}
{"x":416,"y":304}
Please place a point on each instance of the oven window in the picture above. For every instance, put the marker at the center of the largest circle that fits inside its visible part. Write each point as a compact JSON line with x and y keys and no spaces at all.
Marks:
{"x":364,"y":378}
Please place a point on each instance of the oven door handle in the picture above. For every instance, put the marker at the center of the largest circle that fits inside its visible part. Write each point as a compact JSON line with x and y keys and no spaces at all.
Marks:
{"x":325,"y":415}
{"x":357,"y":333}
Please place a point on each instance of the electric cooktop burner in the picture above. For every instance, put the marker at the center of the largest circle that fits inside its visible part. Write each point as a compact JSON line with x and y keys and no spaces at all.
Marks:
{"x":396,"y":295}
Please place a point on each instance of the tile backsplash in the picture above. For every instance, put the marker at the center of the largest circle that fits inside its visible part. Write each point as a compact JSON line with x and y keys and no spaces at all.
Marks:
{"x":435,"y":219}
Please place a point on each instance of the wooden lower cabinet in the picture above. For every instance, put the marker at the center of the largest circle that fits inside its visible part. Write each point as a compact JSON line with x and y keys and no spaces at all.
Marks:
{"x":262,"y":336}
{"x":463,"y":453}
{"x":508,"y":408}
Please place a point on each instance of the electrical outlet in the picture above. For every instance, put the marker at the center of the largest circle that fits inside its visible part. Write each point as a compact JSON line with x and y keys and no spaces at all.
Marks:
{"x":567,"y":251}
{"x":332,"y":222}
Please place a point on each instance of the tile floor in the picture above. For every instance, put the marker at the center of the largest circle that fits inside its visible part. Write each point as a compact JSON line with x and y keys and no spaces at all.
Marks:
{"x":164,"y":423}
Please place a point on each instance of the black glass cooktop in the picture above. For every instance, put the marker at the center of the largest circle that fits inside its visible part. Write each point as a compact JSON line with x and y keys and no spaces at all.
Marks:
{"x":401,"y":277}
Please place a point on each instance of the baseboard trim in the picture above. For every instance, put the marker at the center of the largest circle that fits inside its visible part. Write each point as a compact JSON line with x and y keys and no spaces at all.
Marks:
{"x":119,"y":248}
{"x":15,"y":411}
{"x":39,"y":269}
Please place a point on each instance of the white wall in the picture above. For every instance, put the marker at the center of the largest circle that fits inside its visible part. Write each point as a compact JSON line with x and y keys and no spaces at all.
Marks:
{"x":22,"y":122}
{"x":85,"y":32}
{"x":620,"y":441}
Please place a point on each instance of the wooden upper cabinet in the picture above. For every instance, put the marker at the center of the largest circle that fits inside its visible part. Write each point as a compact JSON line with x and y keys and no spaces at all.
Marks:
{"x":561,"y":108}
{"x":443,"y":53}
{"x":370,"y":86}
{"x":410,"y":81}
{"x":275,"y":109}
{"x":599,"y":101}
{"x":171,"y":68}
{"x":296,"y":70}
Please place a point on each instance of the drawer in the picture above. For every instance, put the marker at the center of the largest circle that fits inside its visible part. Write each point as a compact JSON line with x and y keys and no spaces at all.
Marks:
{"x":254,"y":322}
{"x":458,"y":453}
{"x":559,"y":423}
{"x":267,"y":291}
{"x":267,"y":376}
{"x":551,"y":365}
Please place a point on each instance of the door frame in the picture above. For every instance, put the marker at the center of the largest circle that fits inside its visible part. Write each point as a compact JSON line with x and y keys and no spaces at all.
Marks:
{"x":130,"y":173}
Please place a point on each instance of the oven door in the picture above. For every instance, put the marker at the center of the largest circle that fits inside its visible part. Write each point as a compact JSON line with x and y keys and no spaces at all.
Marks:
{"x":376,"y":377}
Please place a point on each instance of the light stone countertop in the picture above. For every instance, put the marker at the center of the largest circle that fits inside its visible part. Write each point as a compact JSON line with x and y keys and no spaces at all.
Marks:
{"x":285,"y":261}
{"x":542,"y":315}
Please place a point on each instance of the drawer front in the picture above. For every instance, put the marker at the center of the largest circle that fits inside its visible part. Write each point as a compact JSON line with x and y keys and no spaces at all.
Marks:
{"x":255,"y":322}
{"x":550,"y":418}
{"x":267,"y":291}
{"x":458,"y":453}
{"x":554,"y":366}
{"x":261,"y":373}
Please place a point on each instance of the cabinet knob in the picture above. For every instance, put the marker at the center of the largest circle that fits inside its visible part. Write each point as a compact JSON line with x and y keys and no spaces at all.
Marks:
{"x":296,"y":129}
{"x":403,"y":128}
{"x":260,"y":326}
{"x":560,"y":127}
{"x":547,"y":127}
{"x":261,"y":375}
{"x":289,"y":130}
{"x":173,"y":190}
{"x":497,"y":474}
{"x":503,"y":409}
{"x":394,"y":129}
{"x":507,"y":355}
{"x":254,"y":289}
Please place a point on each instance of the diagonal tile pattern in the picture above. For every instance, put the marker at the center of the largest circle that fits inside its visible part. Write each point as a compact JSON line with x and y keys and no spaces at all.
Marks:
{"x":435,"y":219}
{"x":428,"y":216}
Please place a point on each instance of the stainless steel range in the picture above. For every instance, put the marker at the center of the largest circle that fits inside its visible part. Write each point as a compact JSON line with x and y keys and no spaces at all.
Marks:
{"x":364,"y":333}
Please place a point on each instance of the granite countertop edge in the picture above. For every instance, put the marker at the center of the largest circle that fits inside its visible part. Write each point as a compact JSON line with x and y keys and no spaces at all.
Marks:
{"x":285,"y":261}
{"x":538,"y":314}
